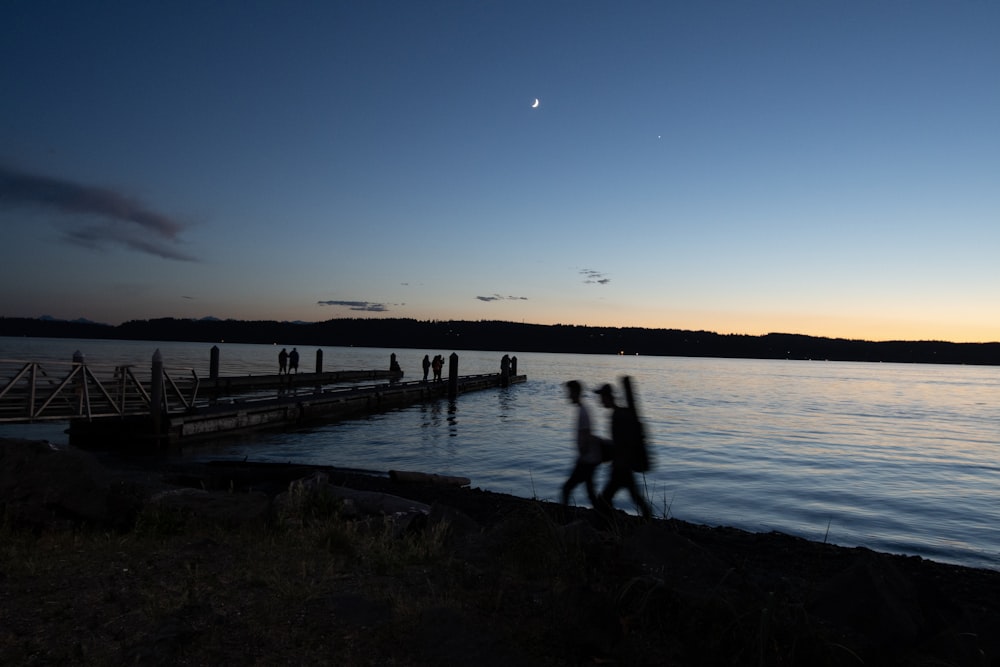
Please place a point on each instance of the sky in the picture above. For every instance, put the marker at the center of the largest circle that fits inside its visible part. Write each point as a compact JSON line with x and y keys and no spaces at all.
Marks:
{"x":829,"y":168}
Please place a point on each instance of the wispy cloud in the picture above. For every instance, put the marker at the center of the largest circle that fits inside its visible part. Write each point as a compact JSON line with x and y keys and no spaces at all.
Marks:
{"x":499,"y":297}
{"x":366,"y":306}
{"x":592,"y":277}
{"x":123,"y":220}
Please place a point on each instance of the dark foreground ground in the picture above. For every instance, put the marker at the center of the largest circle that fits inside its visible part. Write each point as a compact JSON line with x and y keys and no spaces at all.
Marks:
{"x":224,"y":565}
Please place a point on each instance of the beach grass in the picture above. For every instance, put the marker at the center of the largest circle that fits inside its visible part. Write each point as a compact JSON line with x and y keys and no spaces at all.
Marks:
{"x":314,"y":582}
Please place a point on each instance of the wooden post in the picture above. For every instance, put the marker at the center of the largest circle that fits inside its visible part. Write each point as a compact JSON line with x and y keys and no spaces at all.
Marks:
{"x":319,"y":361}
{"x":453,"y":376}
{"x":81,"y":382}
{"x":156,"y":393}
{"x":213,"y":363}
{"x":513,"y":366}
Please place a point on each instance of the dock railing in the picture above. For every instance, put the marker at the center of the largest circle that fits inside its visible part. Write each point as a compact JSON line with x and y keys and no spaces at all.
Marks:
{"x":57,"y":391}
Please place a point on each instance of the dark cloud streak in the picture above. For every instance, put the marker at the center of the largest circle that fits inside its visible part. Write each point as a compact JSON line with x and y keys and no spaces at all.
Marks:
{"x":498,"y":297}
{"x":93,"y":237}
{"x":18,"y":188}
{"x":366,"y":306}
{"x":592,"y":277}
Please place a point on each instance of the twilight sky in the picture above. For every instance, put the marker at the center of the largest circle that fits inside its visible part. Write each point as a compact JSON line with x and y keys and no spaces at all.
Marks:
{"x":825,"y":167}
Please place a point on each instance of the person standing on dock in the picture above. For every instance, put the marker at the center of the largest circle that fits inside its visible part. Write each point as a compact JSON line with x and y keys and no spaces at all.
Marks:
{"x":427,"y":365}
{"x":588,"y":448}
{"x":437,"y":365}
{"x":293,"y":361}
{"x":282,"y":361}
{"x":628,"y":451}
{"x":394,"y":368}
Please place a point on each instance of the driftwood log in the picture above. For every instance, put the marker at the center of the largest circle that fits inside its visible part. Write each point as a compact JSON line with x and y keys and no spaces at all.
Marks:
{"x":428,"y":478}
{"x":356,"y":501}
{"x":374,"y":502}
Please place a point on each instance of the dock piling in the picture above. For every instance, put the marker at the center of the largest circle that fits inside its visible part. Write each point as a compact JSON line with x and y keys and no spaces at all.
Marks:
{"x":81,"y":381}
{"x":156,"y":393}
{"x":453,"y":376}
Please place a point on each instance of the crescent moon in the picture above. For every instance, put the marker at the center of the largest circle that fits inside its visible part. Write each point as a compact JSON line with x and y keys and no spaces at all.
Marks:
{"x":534,"y":105}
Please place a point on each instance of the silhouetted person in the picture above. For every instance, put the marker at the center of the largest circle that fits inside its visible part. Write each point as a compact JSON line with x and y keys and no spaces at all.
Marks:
{"x":588,"y":448}
{"x":627,"y":439}
{"x":282,"y":361}
{"x":427,"y":365}
{"x":437,"y":365}
{"x":293,"y":361}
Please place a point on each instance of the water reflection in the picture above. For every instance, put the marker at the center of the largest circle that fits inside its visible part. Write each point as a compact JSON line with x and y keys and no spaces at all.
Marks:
{"x":452,"y":418}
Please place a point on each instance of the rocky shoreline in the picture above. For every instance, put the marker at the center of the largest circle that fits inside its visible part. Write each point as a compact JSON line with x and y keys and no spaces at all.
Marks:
{"x":520,"y":581}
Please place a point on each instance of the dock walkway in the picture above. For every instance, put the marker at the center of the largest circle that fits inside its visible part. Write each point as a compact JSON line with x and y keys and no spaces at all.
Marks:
{"x":237,"y":384}
{"x":296,"y":406}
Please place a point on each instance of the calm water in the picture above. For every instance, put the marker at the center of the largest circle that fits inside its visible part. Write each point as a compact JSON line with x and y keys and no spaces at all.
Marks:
{"x":900,"y":458}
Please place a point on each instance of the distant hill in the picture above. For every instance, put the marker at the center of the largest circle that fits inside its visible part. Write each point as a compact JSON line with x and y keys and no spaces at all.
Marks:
{"x":512,"y":337}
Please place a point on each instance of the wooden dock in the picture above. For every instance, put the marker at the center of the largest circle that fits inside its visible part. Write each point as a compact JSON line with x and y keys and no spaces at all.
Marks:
{"x":301,"y":400}
{"x":240,"y":384}
{"x":111,"y":407}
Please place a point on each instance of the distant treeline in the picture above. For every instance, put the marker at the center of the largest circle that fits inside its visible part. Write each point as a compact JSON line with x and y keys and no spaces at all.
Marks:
{"x":513,"y":337}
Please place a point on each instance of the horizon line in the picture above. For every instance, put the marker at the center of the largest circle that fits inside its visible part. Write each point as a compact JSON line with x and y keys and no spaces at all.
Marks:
{"x":211,"y":318}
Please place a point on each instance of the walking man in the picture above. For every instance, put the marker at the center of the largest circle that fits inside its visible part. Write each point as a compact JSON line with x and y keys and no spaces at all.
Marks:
{"x":629,"y":448}
{"x":588,"y":448}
